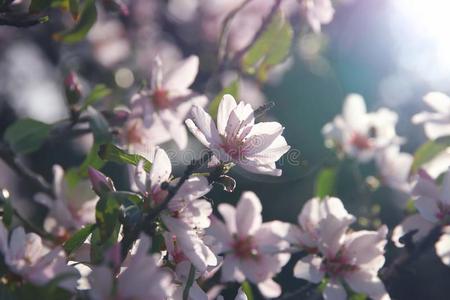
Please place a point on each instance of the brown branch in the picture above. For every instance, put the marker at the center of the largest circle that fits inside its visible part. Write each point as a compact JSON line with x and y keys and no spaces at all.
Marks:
{"x":36,"y":180}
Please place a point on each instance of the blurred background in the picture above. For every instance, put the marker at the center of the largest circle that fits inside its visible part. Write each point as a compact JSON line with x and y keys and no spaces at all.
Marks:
{"x":390,"y":51}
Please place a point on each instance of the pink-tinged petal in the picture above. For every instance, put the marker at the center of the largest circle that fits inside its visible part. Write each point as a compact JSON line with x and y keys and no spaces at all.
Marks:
{"x":334,"y":291}
{"x":44,"y":199}
{"x":193,"y":188}
{"x":223,"y":238}
{"x":191,"y":244}
{"x":268,"y":288}
{"x":273,"y":152}
{"x":367,"y":283}
{"x":443,"y":246}
{"x":261,"y":269}
{"x":101,"y":281}
{"x":438,"y":101}
{"x":413,"y":222}
{"x":428,"y":208}
{"x":203,"y":127}
{"x":354,"y":112}
{"x":175,"y":127}
{"x":226,"y":106}
{"x":258,"y":142}
{"x":308,"y":268}
{"x":183,"y":108}
{"x":228,"y":213}
{"x":248,"y":214}
{"x":17,"y":243}
{"x":367,"y":247}
{"x":230,"y":271}
{"x":426,"y":186}
{"x":161,"y":168}
{"x":182,"y":75}
{"x":270,"y":237}
{"x":140,"y":177}
{"x":258,"y":168}
{"x":309,"y":217}
{"x":434,"y":130}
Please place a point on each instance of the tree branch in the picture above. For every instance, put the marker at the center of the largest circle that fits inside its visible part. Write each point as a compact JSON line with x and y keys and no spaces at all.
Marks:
{"x":36,"y":180}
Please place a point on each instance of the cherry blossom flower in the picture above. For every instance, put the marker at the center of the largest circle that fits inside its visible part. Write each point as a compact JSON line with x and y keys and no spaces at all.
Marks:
{"x":253,"y":250}
{"x":141,"y":279}
{"x":237,"y":139}
{"x":353,"y":257}
{"x":360,"y":134}
{"x":436,"y":124}
{"x":26,"y":256}
{"x":72,"y":208}
{"x":432,"y":201}
{"x":317,"y":12}
{"x":165,"y":106}
{"x":186,"y":216}
{"x":394,"y":168}
{"x":316,"y":213}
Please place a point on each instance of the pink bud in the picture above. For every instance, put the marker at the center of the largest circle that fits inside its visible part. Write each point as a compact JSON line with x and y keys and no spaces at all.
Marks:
{"x":73,"y":88}
{"x":100,"y":183}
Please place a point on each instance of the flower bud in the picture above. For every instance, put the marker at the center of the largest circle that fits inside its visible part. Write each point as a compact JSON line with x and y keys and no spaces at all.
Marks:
{"x":73,"y":88}
{"x":100,"y":183}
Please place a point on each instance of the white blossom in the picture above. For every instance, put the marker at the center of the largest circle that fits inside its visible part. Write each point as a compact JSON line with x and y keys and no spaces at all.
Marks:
{"x":359,"y":134}
{"x":343,"y":256}
{"x":437,"y":123}
{"x":253,"y":250}
{"x":237,"y":139}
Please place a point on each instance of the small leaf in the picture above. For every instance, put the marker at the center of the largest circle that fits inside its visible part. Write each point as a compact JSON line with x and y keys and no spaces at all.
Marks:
{"x":99,"y":92}
{"x":78,"y":238}
{"x":112,"y":153}
{"x":270,"y":49}
{"x":74,"y":8}
{"x":325,"y":182}
{"x":99,"y":126}
{"x":74,"y":175}
{"x":232,"y":89}
{"x":428,"y":151}
{"x":247,"y":289}
{"x":107,"y":215}
{"x":26,"y":135}
{"x":88,"y":17}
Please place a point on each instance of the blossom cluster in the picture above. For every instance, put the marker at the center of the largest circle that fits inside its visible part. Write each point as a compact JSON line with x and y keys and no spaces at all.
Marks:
{"x":162,"y":235}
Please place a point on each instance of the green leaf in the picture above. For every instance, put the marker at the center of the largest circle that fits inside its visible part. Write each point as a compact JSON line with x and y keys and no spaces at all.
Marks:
{"x":428,"y":151}
{"x":99,"y":92}
{"x":232,"y":89}
{"x":247,"y":289}
{"x":78,"y":238}
{"x":325,"y":182}
{"x":88,"y":17}
{"x":74,"y":175}
{"x":99,"y":246}
{"x":26,"y":135}
{"x":99,"y":126}
{"x":74,"y":8}
{"x":107,"y":215}
{"x":109,"y":152}
{"x":270,"y":49}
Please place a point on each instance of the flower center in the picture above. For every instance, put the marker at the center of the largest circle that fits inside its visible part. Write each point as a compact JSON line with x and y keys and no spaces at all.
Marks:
{"x":337,"y":266}
{"x":244,"y":248}
{"x":161,"y":98}
{"x":133,"y":134}
{"x":360,"y":141}
{"x":233,"y":148}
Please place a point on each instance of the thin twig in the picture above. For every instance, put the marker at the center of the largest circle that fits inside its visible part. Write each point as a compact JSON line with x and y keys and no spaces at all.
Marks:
{"x":238,"y":56}
{"x":412,"y":255}
{"x":36,"y":180}
{"x":300,"y":293}
{"x":189,"y":283}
